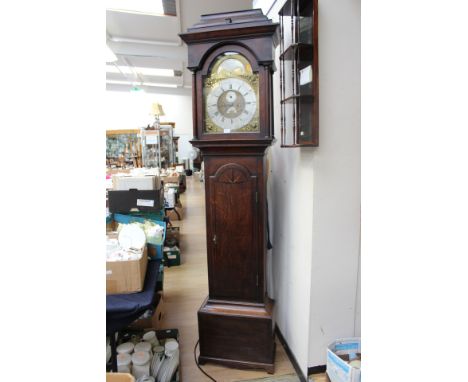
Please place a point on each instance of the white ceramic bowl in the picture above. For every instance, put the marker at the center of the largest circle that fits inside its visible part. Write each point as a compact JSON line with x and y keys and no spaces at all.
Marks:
{"x":143,"y":346}
{"x":170,"y":348}
{"x":125,"y":348}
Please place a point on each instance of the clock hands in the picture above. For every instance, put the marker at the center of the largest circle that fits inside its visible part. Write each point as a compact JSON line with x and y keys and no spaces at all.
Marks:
{"x":231,"y":104}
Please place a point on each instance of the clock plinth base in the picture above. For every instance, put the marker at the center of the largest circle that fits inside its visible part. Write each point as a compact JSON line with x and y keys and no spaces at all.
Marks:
{"x":237,"y":334}
{"x":269,"y":368}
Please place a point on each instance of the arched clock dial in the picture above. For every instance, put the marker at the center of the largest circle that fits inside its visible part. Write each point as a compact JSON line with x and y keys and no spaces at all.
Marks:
{"x":231,"y":104}
{"x":231,"y":96}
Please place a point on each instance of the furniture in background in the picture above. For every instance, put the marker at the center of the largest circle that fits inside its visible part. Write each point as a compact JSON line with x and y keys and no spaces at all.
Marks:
{"x":123,"y":149}
{"x":168,"y":149}
{"x":175,"y":141}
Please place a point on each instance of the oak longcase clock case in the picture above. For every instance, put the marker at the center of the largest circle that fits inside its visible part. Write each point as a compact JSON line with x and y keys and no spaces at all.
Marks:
{"x":231,"y":56}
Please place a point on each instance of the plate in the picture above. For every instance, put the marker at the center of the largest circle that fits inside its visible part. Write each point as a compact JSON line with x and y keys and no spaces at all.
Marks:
{"x":132,"y":236}
{"x":172,"y":366}
{"x":161,"y":377}
{"x":155,"y":365}
{"x":108,"y":353}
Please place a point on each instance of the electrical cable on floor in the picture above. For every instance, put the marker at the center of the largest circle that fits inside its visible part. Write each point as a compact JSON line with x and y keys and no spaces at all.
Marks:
{"x":198,"y":365}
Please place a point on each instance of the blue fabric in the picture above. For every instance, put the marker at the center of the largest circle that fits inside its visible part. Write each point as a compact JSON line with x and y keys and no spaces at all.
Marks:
{"x":123,"y":309}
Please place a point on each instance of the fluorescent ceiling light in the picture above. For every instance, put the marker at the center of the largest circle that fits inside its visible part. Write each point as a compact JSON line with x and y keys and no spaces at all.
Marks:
{"x":154,"y":71}
{"x":133,"y":83}
{"x":147,"y":7}
{"x":110,"y":56}
{"x":118,"y":69}
{"x":140,"y":70}
{"x":160,"y":85}
{"x":115,"y":82}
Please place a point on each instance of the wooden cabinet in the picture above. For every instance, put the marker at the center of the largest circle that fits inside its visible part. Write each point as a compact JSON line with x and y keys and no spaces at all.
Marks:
{"x":231,"y":56}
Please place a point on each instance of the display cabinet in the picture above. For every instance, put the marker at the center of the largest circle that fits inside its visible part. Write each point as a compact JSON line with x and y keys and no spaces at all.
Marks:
{"x":175,"y":141}
{"x":168,"y":150}
{"x":299,"y":73}
{"x":123,"y":148}
{"x":150,"y":144}
{"x":158,"y":145}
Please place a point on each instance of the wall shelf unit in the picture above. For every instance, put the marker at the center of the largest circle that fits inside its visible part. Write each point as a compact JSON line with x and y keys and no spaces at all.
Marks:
{"x":299,"y":73}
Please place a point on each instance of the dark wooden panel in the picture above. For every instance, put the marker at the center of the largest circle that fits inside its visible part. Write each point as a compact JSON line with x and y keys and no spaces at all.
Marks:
{"x":234,"y":222}
{"x":236,"y":337}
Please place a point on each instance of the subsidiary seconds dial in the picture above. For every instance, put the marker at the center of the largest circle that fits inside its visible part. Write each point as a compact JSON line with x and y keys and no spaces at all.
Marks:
{"x":231,"y":104}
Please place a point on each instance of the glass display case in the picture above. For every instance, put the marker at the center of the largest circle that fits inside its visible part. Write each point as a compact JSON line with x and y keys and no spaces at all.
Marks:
{"x":299,"y":73}
{"x":158,"y":146}
{"x":150,"y":146}
{"x":167,"y":145}
{"x":123,"y":149}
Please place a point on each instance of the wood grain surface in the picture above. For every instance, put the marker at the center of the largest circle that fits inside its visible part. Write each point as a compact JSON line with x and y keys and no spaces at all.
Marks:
{"x":186,"y":287}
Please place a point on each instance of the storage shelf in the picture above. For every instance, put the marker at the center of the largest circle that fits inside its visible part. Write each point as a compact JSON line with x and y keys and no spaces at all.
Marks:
{"x":299,"y":73}
{"x":306,"y":52}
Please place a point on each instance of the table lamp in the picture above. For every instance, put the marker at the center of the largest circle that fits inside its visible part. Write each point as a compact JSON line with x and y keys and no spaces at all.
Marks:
{"x":157,"y":111}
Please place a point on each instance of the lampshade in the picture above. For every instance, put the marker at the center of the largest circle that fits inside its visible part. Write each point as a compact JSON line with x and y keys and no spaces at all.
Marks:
{"x":157,"y":109}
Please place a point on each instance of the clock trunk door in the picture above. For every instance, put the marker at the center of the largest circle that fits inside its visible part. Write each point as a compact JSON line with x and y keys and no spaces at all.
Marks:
{"x":233,"y":260}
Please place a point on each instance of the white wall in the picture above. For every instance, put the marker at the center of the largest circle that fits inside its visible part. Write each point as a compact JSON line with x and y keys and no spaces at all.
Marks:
{"x":315,"y":198}
{"x":336,"y":166}
{"x":131,"y":110}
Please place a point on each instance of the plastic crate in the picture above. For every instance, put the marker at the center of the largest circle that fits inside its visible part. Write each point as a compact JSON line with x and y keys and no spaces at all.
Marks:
{"x":155,"y":251}
{"x":139,"y":217}
{"x":127,"y":335}
{"x":109,"y":219}
{"x":172,"y":257}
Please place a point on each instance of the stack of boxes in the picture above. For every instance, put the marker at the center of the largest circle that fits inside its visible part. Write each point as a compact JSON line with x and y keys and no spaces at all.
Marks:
{"x":140,"y":199}
{"x":128,"y":204}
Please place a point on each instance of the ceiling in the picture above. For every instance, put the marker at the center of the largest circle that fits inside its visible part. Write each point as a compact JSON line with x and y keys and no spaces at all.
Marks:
{"x":142,"y":42}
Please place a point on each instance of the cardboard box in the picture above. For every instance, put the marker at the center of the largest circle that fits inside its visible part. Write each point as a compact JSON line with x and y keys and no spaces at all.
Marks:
{"x":126,"y":276}
{"x":171,"y":179}
{"x":119,"y":377}
{"x":140,"y":182}
{"x":110,"y":226}
{"x":339,"y":370}
{"x":113,"y":171}
{"x":153,"y":322}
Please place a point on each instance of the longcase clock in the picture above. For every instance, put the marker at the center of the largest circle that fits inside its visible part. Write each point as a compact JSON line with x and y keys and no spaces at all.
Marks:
{"x":231,"y":56}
